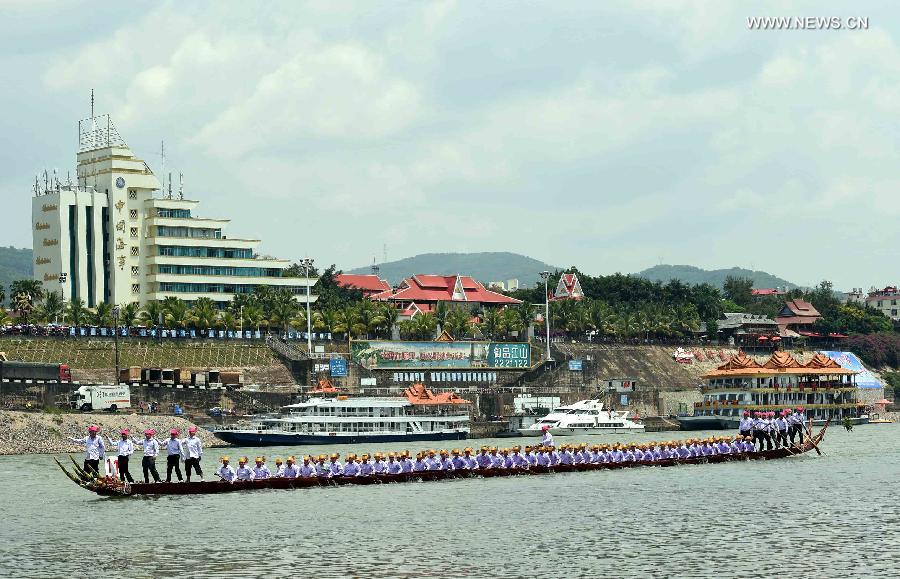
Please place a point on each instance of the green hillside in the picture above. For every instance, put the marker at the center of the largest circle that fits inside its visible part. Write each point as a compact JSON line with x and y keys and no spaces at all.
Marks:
{"x":716,"y":277}
{"x":485,"y":267}
{"x":14,"y":264}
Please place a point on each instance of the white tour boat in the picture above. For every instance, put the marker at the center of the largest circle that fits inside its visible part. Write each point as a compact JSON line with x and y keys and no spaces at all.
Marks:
{"x":583,"y":417}
{"x":342,"y":419}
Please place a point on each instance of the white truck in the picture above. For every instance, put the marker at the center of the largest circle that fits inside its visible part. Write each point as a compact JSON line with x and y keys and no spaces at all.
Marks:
{"x":97,"y":397}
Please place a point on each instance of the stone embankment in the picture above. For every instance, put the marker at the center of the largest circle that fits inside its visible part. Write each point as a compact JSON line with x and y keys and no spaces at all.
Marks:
{"x":41,"y":432}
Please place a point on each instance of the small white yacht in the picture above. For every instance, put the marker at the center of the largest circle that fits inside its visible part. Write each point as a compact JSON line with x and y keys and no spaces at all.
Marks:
{"x":583,"y":417}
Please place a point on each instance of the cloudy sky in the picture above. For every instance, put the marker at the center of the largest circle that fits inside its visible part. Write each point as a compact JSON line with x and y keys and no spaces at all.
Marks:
{"x":612,"y":136}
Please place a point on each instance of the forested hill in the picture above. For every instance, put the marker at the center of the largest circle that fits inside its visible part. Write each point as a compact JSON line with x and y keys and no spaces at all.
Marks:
{"x":485,"y":267}
{"x":14,"y":264}
{"x":716,"y":277}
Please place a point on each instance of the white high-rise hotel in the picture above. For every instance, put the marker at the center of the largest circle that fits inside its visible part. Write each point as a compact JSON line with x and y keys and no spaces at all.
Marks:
{"x":107,"y":238}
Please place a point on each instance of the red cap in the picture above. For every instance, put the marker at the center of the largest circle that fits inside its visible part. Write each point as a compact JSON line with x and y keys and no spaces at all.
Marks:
{"x":746,"y":413}
{"x":545,"y":427}
{"x":149,"y":432}
{"x":93,"y":428}
{"x":192,"y":429}
{"x":174,"y":431}
{"x":124,"y":432}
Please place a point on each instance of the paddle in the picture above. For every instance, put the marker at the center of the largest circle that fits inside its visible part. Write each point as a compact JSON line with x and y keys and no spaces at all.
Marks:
{"x":812,"y":439}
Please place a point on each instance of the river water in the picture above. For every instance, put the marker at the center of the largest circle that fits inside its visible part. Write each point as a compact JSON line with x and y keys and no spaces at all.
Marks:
{"x":836,"y":515}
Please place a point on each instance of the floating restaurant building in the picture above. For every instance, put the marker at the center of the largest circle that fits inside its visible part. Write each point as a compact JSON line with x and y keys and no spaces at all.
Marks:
{"x":821,"y":386}
{"x":114,"y":237}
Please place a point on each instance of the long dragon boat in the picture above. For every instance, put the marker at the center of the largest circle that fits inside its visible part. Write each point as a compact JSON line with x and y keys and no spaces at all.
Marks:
{"x":111,"y":487}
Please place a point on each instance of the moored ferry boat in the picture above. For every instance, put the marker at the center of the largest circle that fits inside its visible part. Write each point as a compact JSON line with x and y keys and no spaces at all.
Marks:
{"x":420,"y":415}
{"x":825,"y":389}
{"x":583,"y":417}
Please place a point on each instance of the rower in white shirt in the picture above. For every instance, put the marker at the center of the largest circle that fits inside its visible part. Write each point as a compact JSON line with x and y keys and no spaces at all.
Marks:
{"x":151,"y":450}
{"x":242,"y":472}
{"x":124,"y":450}
{"x":261,"y":471}
{"x":292,"y":470}
{"x":94,"y":450}
{"x":226,"y":472}
{"x":279,"y":468}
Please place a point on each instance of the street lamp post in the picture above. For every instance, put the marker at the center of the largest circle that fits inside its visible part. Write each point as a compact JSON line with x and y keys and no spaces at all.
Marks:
{"x":241,"y":314}
{"x":546,"y":276}
{"x":307,"y":263}
{"x":115,"y":312}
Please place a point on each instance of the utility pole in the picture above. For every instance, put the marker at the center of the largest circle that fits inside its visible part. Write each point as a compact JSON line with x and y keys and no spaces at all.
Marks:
{"x":307,"y":264}
{"x":115,"y":312}
{"x":546,"y":276}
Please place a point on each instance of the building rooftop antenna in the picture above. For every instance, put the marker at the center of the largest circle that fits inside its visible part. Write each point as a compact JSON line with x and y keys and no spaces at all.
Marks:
{"x":170,"y":185}
{"x":375,"y":268}
{"x":162,"y":172}
{"x":180,"y":186}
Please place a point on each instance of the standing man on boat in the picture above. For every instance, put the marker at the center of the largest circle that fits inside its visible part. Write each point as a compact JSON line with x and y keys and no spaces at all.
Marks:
{"x":746,"y":426}
{"x":151,"y":449}
{"x":546,"y":437}
{"x":124,"y":450}
{"x":173,"y":455}
{"x":193,"y":451}
{"x":94,"y":450}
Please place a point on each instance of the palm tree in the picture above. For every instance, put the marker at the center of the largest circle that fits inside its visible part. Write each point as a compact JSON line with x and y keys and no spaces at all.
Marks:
{"x":76,"y":312}
{"x":368,"y":316}
{"x":458,"y":323}
{"x":389,"y":315}
{"x":226,"y":321}
{"x":441,"y":311}
{"x":102,"y":315}
{"x":512,"y":321}
{"x":129,"y":314}
{"x":253,"y":317}
{"x":53,"y":308}
{"x":23,"y":304}
{"x":32,"y":287}
{"x":425,"y":325}
{"x":153,"y":314}
{"x":283,"y":312}
{"x":176,"y":312}
{"x":203,"y":315}
{"x":5,"y":320}
{"x":492,"y":324}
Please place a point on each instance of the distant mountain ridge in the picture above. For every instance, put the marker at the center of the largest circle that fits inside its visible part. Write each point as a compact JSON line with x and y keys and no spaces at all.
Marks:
{"x":716,"y":277}
{"x":14,"y":264}
{"x":485,"y":267}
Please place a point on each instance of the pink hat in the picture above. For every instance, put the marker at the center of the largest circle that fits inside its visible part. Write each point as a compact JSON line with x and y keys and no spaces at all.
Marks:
{"x":124,"y":432}
{"x":149,"y":432}
{"x":192,"y":429}
{"x":545,"y":427}
{"x":746,"y":413}
{"x":174,"y":431}
{"x":93,"y":428}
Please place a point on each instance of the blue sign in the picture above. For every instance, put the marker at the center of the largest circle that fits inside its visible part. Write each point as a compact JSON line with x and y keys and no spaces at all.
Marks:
{"x":338,"y":367}
{"x":575,"y":365}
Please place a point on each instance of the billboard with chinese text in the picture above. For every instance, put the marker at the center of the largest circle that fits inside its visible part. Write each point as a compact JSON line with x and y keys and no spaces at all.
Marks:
{"x":387,"y":355}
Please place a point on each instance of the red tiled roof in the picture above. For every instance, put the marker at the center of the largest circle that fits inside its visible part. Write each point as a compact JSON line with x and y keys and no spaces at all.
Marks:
{"x":767,"y":292}
{"x":800,"y":307}
{"x":365,"y":282}
{"x":440,"y":288}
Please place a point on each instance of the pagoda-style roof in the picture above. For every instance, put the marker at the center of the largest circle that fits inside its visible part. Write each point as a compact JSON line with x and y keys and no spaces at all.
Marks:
{"x":419,"y":395}
{"x":739,"y":362}
{"x":822,"y":361}
{"x":781,"y":360}
{"x":779,"y":363}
